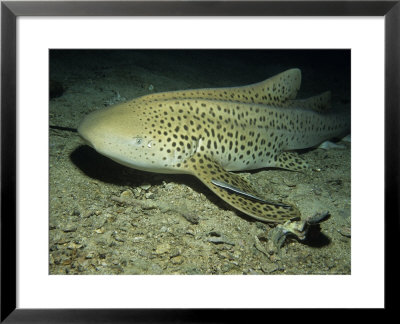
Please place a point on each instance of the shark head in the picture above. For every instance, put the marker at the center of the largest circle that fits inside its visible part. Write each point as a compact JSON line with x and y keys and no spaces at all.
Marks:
{"x":128,"y":134}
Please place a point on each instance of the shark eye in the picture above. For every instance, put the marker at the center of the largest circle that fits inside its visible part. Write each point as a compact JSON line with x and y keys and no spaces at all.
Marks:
{"x":137,"y":141}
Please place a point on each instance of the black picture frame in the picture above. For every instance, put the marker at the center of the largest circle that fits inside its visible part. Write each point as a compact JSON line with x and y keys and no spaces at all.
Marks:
{"x":10,"y":10}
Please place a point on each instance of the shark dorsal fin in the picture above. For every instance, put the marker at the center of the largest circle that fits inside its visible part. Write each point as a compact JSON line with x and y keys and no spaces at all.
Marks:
{"x":274,"y":91}
{"x":320,"y":103}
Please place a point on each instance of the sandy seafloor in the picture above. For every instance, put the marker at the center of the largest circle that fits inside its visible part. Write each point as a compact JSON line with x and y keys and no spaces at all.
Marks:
{"x":178,"y":226}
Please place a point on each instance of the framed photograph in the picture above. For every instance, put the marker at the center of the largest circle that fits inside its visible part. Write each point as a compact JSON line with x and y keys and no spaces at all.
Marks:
{"x":184,"y":154}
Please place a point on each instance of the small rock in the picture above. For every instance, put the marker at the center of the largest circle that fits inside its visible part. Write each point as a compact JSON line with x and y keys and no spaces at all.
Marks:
{"x":226,"y":267}
{"x":137,"y":191}
{"x":218,"y":238}
{"x":191,"y":217}
{"x":90,"y":255}
{"x":137,"y":239}
{"x":117,"y":237}
{"x":269,"y":267}
{"x":175,"y":252}
{"x":145,"y":186}
{"x":73,"y":246}
{"x":163,"y":248}
{"x":127,"y":194}
{"x":259,"y":246}
{"x":149,"y":195}
{"x":70,"y":229}
{"x":274,"y":258}
{"x":99,"y":230}
{"x":87,"y":213}
{"x":177,"y":260}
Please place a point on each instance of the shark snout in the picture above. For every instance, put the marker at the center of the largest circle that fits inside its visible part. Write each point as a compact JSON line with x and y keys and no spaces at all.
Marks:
{"x":94,"y":127}
{"x":85,"y":129}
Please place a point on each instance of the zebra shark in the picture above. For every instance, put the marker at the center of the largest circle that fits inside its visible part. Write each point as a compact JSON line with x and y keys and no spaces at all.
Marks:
{"x":210,"y":132}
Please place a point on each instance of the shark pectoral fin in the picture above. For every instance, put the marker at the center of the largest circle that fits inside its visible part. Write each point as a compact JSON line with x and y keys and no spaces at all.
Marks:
{"x":291,"y":161}
{"x":238,"y":192}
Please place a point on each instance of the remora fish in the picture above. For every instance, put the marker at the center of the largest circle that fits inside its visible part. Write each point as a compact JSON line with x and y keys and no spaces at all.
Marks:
{"x":209,"y":132}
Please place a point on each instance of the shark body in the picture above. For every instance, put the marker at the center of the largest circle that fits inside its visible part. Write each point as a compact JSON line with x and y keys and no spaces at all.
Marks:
{"x":210,"y":132}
